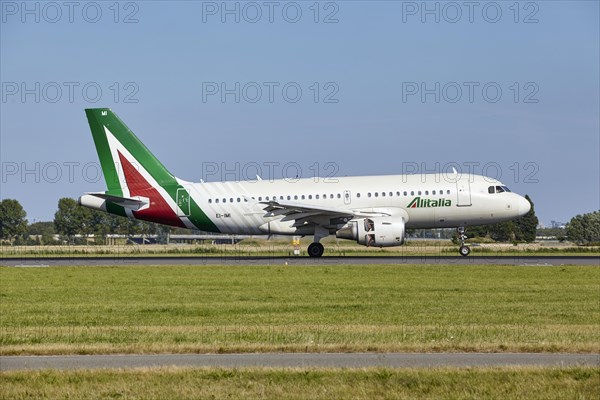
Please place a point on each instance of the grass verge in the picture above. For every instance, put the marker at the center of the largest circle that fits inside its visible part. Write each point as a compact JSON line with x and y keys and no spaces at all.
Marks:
{"x":211,"y":309}
{"x":283,"y":248}
{"x":162,"y":383}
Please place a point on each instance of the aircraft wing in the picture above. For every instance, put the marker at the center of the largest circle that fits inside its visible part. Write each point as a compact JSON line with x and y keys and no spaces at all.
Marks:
{"x":302,"y":213}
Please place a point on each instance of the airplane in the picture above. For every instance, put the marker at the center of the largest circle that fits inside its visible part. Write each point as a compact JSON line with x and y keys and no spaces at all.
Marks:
{"x":374,"y":211}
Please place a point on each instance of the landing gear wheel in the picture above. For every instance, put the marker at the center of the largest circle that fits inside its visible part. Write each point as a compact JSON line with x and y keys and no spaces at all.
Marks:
{"x":315,"y":250}
{"x":464,"y":250}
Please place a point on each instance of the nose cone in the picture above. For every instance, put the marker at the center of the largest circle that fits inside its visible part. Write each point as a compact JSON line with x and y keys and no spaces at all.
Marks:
{"x":523,"y":206}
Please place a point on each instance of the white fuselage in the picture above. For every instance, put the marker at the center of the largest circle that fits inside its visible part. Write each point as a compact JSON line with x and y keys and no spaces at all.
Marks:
{"x":423,"y":201}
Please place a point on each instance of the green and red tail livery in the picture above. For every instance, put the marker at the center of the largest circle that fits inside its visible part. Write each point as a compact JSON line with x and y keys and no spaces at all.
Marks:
{"x":133,"y":173}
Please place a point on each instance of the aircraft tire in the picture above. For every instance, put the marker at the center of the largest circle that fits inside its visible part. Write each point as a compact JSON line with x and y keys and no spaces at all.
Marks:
{"x":464,"y":251}
{"x":315,"y":250}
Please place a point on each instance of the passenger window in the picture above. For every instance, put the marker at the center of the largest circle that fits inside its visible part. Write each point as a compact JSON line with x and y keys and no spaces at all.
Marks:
{"x":382,"y":194}
{"x":239,"y":200}
{"x":310,"y":196}
{"x":491,"y":190}
{"x":357,"y":195}
{"x":209,"y":201}
{"x":260,"y":198}
{"x":224,"y":200}
{"x":231,"y":200}
{"x":391,"y":194}
{"x":427,"y":193}
{"x":419,"y":192}
{"x":289,"y":197}
{"x":317,"y":197}
{"x":412,"y":192}
{"x":369,"y":194}
{"x":216,"y":200}
{"x":295,"y":197}
{"x":398,"y":194}
{"x":303,"y":197}
{"x":405,"y":193}
{"x":447,"y":191}
{"x":339,"y":196}
{"x":433,"y":193}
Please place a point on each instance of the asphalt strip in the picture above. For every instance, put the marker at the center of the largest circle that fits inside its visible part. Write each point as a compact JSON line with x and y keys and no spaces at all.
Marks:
{"x":300,"y":360}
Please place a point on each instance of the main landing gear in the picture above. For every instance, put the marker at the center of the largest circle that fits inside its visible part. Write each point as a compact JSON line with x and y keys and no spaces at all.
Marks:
{"x":463,"y":250}
{"x":316,"y":249}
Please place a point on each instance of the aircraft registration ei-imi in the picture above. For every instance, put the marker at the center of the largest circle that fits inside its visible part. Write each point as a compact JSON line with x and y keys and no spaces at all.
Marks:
{"x":372,"y":210}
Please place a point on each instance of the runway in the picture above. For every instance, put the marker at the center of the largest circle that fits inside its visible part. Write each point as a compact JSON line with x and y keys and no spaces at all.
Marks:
{"x":265,"y":260}
{"x":299,"y":360}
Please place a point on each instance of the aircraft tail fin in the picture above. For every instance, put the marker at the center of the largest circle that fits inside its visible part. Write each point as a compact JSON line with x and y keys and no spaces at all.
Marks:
{"x":138,"y":184}
{"x":119,"y":149}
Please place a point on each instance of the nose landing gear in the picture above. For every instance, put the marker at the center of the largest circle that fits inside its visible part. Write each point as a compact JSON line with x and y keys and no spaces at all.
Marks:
{"x":463,"y":250}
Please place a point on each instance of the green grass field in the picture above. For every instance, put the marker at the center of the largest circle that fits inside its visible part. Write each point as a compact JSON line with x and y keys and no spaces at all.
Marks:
{"x":163,"y":383}
{"x":84,"y":310}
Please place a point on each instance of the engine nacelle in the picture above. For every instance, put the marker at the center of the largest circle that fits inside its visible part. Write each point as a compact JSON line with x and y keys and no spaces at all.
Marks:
{"x":378,"y":231}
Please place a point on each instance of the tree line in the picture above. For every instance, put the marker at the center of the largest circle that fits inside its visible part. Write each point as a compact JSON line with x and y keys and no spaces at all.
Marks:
{"x":584,"y":229}
{"x":72,"y":222}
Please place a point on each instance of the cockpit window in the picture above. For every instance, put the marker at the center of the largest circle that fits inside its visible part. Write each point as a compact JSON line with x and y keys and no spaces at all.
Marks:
{"x":498,"y":189}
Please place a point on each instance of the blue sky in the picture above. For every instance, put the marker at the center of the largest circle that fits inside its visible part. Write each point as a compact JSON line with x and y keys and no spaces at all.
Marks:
{"x":385,"y":88}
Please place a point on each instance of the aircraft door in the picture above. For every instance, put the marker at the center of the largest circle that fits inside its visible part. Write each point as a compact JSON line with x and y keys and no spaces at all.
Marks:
{"x":347,"y":197}
{"x":463,"y":192}
{"x":183,"y":202}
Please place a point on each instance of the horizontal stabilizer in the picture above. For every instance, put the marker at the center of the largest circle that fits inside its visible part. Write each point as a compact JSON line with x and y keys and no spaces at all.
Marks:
{"x":135,"y":203}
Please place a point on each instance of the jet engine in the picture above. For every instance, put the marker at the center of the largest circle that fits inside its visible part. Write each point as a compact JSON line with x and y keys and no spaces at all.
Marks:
{"x":377,"y":231}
